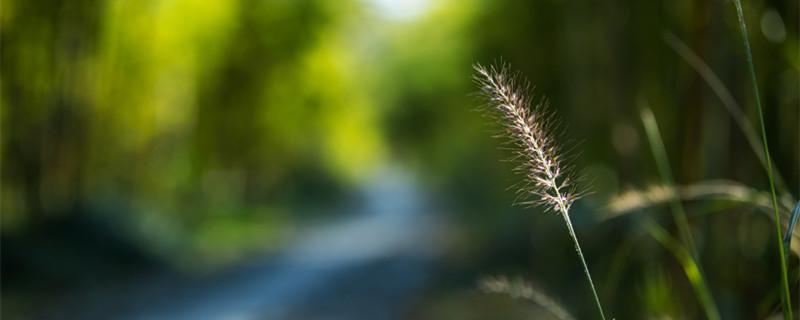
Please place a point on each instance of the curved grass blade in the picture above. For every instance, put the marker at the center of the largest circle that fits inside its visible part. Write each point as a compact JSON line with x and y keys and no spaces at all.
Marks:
{"x":727,"y":100}
{"x":690,"y":258}
{"x":690,"y":267}
{"x":736,"y":193}
{"x":787,"y":239}
{"x":662,"y":163}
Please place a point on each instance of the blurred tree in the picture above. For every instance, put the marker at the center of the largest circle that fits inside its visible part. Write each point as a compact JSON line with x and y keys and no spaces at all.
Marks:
{"x":46,"y":112}
{"x":174,"y":112}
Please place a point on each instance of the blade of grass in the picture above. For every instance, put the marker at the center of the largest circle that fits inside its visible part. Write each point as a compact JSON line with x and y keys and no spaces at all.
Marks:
{"x":690,"y":267}
{"x":716,"y":190}
{"x":660,"y":155}
{"x":787,"y":239}
{"x":787,"y":310}
{"x":678,"y":214}
{"x":727,"y":100}
{"x":710,"y":190}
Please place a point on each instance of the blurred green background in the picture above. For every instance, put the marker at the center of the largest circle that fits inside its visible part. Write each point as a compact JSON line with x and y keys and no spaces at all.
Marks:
{"x":193,"y":136}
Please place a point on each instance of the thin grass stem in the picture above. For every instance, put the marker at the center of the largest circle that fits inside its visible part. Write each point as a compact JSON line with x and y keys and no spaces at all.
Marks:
{"x":583,"y":262}
{"x":727,"y":100}
{"x":694,"y":273}
{"x":786,"y":298}
{"x":662,"y":163}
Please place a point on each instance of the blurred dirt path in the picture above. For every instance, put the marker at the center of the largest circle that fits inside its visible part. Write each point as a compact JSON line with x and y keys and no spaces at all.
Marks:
{"x":373,"y":265}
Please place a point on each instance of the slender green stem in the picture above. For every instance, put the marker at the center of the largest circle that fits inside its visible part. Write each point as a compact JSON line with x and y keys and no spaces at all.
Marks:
{"x":660,"y":155}
{"x":728,"y":101}
{"x":691,"y":266}
{"x":787,"y":310}
{"x":565,"y":213}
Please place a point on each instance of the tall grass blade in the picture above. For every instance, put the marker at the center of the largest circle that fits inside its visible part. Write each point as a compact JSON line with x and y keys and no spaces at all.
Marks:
{"x":662,"y":163}
{"x":678,"y":214}
{"x":722,"y":190}
{"x":715,"y":190}
{"x":727,"y":100}
{"x":786,"y":298}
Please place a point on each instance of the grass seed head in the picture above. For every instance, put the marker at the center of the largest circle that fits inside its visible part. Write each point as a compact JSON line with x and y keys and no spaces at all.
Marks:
{"x":528,"y":127}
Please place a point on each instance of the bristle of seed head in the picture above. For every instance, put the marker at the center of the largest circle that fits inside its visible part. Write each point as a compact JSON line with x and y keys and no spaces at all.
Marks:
{"x":526,"y":125}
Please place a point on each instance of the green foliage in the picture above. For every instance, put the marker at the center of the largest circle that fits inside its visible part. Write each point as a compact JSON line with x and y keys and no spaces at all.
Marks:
{"x":163,"y":104}
{"x":202,"y":133}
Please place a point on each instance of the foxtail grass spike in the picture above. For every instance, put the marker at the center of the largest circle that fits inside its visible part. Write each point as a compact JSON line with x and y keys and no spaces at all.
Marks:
{"x":528,"y":127}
